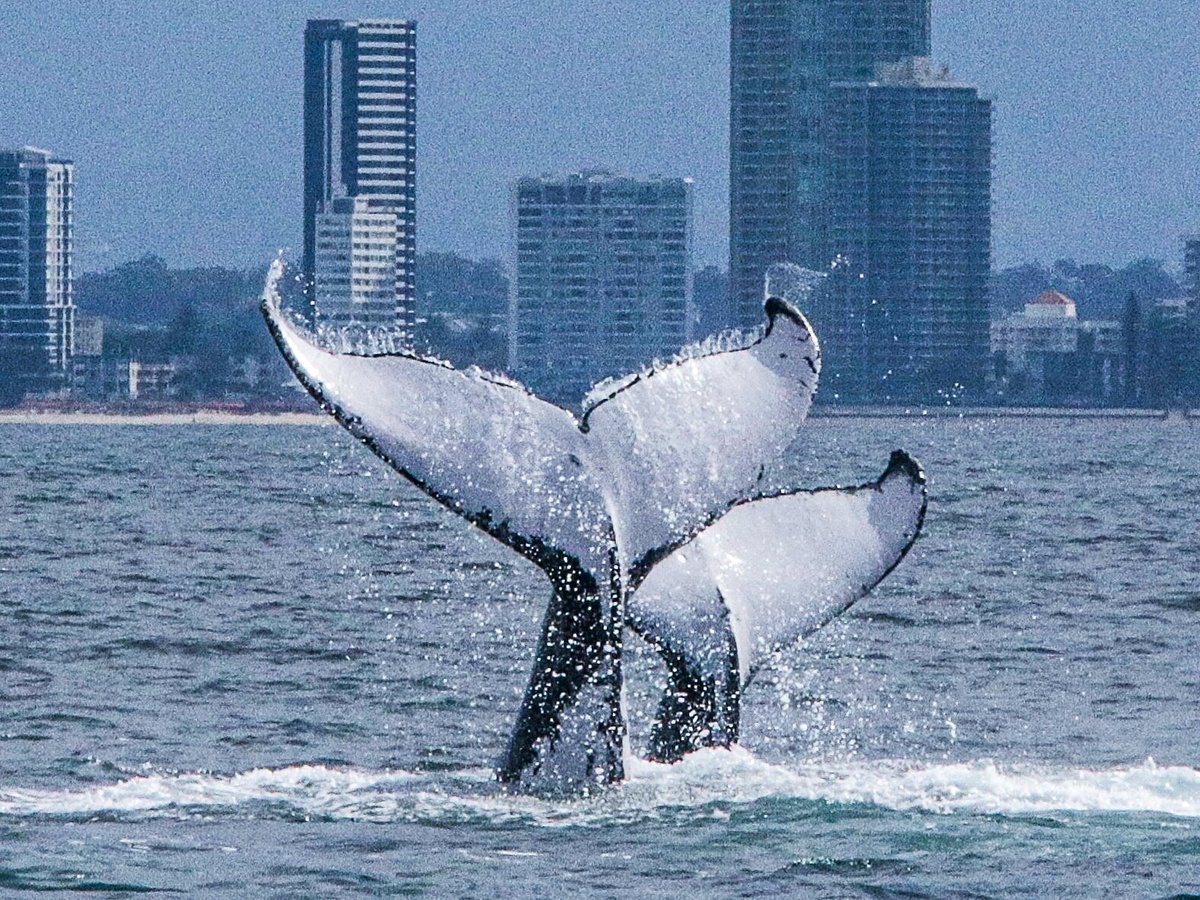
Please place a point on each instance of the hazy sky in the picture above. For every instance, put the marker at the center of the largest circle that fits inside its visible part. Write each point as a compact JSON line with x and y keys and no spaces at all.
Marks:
{"x":184,"y":116}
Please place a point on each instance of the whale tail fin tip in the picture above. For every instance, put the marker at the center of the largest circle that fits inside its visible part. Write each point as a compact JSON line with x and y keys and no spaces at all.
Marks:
{"x":903,"y":464}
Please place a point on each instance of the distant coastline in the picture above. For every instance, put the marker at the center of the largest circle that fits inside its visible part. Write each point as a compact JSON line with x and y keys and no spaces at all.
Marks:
{"x":1003,"y":412}
{"x":217,"y":415}
{"x":158,"y":417}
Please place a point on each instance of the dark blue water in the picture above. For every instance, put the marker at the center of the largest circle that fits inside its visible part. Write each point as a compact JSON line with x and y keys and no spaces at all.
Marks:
{"x":248,"y":661}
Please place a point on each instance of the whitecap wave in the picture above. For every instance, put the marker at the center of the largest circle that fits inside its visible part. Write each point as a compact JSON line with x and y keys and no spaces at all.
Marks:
{"x":705,"y":784}
{"x":981,"y":786}
{"x":310,"y":789}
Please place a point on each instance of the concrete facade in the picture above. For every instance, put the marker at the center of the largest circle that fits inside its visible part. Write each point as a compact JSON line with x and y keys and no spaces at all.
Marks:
{"x":603,"y":278}
{"x":89,"y":336}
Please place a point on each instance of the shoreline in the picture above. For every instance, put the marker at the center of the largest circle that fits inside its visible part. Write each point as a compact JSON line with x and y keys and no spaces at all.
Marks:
{"x":158,"y":418}
{"x":215,"y":417}
{"x":1035,"y":413}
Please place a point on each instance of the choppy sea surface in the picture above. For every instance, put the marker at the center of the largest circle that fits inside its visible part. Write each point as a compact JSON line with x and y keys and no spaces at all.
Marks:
{"x":249,"y":661}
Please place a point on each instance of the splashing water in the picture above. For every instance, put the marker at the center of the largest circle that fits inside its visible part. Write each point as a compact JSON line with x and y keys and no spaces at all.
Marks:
{"x":706,"y":779}
{"x":793,"y":283}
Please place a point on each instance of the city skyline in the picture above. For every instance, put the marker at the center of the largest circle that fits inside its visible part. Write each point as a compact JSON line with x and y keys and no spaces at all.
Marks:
{"x":1080,"y":170}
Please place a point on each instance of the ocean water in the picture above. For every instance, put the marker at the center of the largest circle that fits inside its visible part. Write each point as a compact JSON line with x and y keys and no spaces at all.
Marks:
{"x":249,"y":661}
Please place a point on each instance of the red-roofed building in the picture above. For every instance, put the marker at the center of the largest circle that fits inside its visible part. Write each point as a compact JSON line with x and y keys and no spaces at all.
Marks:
{"x":1051,"y":304}
{"x":1048,"y":355}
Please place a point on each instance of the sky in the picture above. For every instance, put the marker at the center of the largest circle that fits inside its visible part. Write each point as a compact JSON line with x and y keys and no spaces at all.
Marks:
{"x":184,"y":116}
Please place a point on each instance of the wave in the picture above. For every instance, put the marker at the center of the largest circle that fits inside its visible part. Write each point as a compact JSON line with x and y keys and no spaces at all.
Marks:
{"x":981,"y":787}
{"x":708,"y":783}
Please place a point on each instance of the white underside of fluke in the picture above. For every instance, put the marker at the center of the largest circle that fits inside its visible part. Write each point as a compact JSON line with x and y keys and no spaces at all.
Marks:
{"x":778,"y":568}
{"x":653,"y":482}
{"x":654,"y":461}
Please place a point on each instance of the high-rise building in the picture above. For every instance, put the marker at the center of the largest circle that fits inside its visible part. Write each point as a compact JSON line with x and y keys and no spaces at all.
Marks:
{"x":603,"y":278}
{"x":355,"y":272}
{"x":360,"y":105}
{"x":37,"y":278}
{"x":785,"y":54}
{"x":908,"y":217}
{"x":848,"y":150}
{"x":1191,"y":268}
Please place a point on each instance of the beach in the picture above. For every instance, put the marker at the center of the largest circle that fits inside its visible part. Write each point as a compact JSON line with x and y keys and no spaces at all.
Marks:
{"x":198,"y":417}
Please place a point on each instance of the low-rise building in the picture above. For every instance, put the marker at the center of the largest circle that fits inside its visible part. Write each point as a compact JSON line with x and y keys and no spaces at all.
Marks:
{"x":355,"y":276}
{"x":1169,"y":356}
{"x":101,"y":379}
{"x":152,"y":381}
{"x":1047,"y":354}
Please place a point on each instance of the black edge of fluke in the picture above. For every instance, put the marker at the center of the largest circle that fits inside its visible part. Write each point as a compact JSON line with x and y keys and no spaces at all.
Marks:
{"x":272,"y":310}
{"x":696,"y":711}
{"x":576,"y":641}
{"x":900,"y":463}
{"x":774,"y":308}
{"x":561,"y":567}
{"x":903,"y":463}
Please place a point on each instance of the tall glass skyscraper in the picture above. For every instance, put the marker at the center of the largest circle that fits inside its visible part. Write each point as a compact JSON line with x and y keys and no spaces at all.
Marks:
{"x":847,"y":146}
{"x":360,"y":104}
{"x":785,"y":54}
{"x":904,"y":316}
{"x":37,"y":278}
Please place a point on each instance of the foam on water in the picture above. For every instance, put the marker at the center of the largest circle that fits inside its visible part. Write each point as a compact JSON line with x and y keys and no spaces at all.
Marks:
{"x":304,"y":787}
{"x":982,"y":786}
{"x":704,"y":784}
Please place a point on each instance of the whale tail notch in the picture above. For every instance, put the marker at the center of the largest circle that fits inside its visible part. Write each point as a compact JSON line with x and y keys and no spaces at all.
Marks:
{"x":594,"y":501}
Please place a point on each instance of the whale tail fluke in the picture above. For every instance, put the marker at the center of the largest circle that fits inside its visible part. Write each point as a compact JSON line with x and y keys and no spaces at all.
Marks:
{"x":759,"y":579}
{"x":594,"y":501}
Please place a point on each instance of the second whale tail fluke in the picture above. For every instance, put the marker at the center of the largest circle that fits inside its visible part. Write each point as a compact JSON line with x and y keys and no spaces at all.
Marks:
{"x":771,"y":571}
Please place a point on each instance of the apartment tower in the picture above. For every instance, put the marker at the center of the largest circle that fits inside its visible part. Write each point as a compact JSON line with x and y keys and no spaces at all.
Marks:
{"x":360,"y":145}
{"x":785,"y":54}
{"x":904,"y":315}
{"x":603,"y":278}
{"x":851,"y":154}
{"x":37,"y":278}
